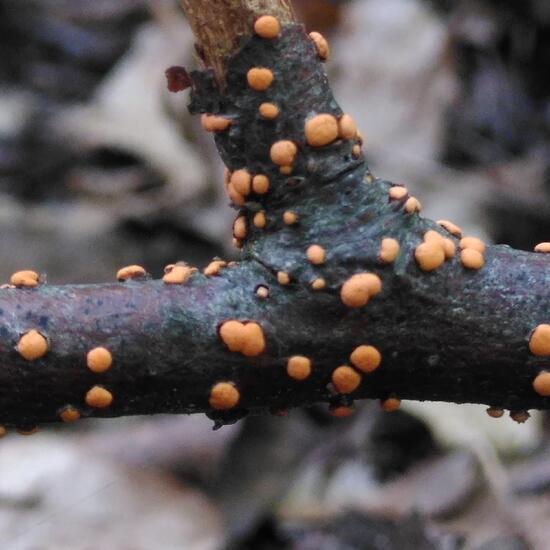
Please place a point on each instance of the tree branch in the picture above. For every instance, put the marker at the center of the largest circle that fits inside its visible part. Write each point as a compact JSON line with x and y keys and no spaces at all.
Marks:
{"x":220,"y":25}
{"x":344,"y":291}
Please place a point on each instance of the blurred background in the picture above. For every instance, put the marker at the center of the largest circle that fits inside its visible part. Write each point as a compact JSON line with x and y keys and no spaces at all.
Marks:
{"x":101,"y":167}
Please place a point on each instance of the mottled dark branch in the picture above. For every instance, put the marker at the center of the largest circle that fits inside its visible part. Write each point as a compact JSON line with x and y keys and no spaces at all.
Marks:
{"x":344,"y":291}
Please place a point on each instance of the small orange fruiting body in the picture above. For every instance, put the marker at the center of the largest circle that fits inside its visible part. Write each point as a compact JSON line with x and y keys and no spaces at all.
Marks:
{"x":239,"y":228}
{"x":412,"y":205}
{"x":356,"y":151}
{"x":3,"y":432}
{"x":98,"y":397}
{"x":345,"y":379}
{"x":321,"y":130}
{"x":262,"y":292}
{"x":259,"y":220}
{"x":27,"y":431}
{"x":205,"y":122}
{"x":285,"y":170}
{"x":245,"y":338}
{"x":520,"y":416}
{"x":283,"y":278}
{"x":236,"y":198}
{"x":391,"y":404}
{"x":69,"y":414}
{"x":321,"y":44}
{"x":231,"y":335}
{"x":473,"y":243}
{"x":495,"y":412}
{"x":130,"y":272}
{"x":259,"y":78}
{"x":452,"y":228}
{"x":449,"y":248}
{"x":178,"y":275}
{"x":341,"y":411}
{"x":539,"y":341}
{"x":347,"y":128}
{"x":224,"y":396}
{"x":358,"y":289}
{"x":472,"y":259}
{"x":541,"y":384}
{"x":398,"y":192}
{"x":543,"y":247}
{"x":99,"y":360}
{"x":220,"y":123}
{"x":366,"y":358}
{"x":432,"y":235}
{"x":389,"y":250}
{"x":267,"y":26}
{"x":429,"y":256}
{"x":214,"y":268}
{"x":27,"y":279}
{"x":283,"y":152}
{"x":316,"y":254}
{"x":213,"y":123}
{"x":260,"y":184}
{"x":241,"y":180}
{"x":269,"y":111}
{"x":318,"y":284}
{"x":290,"y":218}
{"x":32,"y":345}
{"x":298,"y":367}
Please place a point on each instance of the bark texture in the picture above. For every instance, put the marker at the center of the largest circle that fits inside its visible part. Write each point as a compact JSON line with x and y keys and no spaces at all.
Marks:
{"x":220,"y":25}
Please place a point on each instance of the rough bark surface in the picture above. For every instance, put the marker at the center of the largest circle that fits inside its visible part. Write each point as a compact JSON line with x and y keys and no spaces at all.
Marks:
{"x":452,"y":334}
{"x":220,"y":25}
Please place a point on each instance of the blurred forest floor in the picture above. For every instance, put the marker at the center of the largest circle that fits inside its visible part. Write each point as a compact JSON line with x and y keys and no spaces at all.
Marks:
{"x":101,"y":167}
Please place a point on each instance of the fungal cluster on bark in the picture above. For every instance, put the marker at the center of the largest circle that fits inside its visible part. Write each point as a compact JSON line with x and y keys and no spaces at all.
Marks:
{"x":343,"y":290}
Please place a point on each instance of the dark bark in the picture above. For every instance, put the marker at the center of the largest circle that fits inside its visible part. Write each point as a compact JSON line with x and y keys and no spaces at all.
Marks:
{"x":453,"y":334}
